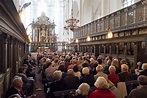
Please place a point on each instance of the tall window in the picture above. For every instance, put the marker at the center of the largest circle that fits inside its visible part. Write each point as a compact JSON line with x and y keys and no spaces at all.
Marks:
{"x":127,"y":2}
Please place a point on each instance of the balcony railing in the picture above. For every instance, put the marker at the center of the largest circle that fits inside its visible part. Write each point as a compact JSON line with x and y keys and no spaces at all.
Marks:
{"x":132,"y":17}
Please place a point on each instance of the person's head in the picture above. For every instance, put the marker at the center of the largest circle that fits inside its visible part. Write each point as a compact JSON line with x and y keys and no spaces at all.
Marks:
{"x":61,"y":68}
{"x":57,"y":75}
{"x":99,"y":68}
{"x":21,"y":70}
{"x":123,"y":61}
{"x":101,"y":83}
{"x":75,"y":68}
{"x":142,"y":80}
{"x":83,"y":89}
{"x":108,"y":62}
{"x":85,"y":71}
{"x":17,"y":82}
{"x":99,"y":61}
{"x":115,"y":63}
{"x":85,"y":65}
{"x":139,"y":65}
{"x":144,"y":66}
{"x":124,"y":68}
{"x":55,"y":60}
{"x":74,"y":60}
{"x":112,"y":69}
{"x":70,"y":72}
{"x":92,"y":60}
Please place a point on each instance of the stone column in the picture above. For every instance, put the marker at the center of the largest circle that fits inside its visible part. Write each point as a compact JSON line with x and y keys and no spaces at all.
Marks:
{"x":5,"y":51}
{"x":104,"y":49}
{"x":117,"y":49}
{"x":110,"y":49}
{"x":135,"y":53}
{"x":125,"y":50}
{"x":96,"y":50}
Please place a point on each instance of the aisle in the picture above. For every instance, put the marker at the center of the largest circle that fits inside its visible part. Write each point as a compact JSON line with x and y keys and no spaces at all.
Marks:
{"x":38,"y":85}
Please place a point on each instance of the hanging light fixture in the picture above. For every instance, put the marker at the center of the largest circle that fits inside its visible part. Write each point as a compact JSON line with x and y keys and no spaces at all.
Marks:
{"x":109,"y":34}
{"x":71,"y":22}
{"x":88,"y":38}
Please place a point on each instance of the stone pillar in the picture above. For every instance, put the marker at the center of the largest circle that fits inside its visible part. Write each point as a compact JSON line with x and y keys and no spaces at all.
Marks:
{"x":117,"y":49}
{"x":110,"y":49}
{"x":96,"y":50}
{"x":125,"y":50}
{"x":104,"y":49}
{"x":135,"y":53}
{"x":5,"y":51}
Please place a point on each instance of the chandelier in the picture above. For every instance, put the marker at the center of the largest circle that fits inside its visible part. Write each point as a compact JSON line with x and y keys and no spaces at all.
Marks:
{"x":71,"y":23}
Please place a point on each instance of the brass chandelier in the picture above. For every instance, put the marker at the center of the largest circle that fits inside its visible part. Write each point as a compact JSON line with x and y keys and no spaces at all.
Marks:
{"x":71,"y":23}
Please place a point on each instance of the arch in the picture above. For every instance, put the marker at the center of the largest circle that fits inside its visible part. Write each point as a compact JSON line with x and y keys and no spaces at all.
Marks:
{"x":91,"y":10}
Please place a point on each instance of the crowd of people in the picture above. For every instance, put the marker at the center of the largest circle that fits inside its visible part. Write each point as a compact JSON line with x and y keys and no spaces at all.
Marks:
{"x":68,"y":71}
{"x":23,"y":82}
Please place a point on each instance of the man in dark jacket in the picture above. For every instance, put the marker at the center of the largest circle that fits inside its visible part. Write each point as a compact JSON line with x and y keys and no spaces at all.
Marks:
{"x":140,"y":91}
{"x":16,"y":87}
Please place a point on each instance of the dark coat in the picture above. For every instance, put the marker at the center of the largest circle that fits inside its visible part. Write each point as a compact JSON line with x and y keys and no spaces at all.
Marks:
{"x":143,"y":72}
{"x":139,"y":92}
{"x":125,"y":76}
{"x":12,"y":91}
{"x":89,"y":79}
{"x":71,"y":82}
{"x":56,"y":86}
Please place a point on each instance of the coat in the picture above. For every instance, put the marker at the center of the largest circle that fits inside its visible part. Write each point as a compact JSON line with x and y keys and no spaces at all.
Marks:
{"x":101,"y":93}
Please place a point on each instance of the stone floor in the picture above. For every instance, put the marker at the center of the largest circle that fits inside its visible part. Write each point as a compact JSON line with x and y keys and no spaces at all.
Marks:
{"x":39,"y":89}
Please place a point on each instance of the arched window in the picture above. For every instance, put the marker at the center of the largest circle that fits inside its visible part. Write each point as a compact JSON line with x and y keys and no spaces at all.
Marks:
{"x":127,"y":2}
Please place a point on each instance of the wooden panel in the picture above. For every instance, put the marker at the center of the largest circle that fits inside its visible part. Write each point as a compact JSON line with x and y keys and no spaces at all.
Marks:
{"x":1,"y":85}
{"x":8,"y":78}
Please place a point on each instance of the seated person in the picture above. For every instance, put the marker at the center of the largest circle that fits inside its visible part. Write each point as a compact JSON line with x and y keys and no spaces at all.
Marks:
{"x":71,"y":81}
{"x":57,"y":85}
{"x":144,"y":69}
{"x":28,"y":83}
{"x":99,"y":70}
{"x":140,"y":92}
{"x":138,"y":68}
{"x":16,"y":87}
{"x":81,"y":92}
{"x":87,"y":77}
{"x":125,"y":75}
{"x":102,"y":90}
{"x":113,"y":77}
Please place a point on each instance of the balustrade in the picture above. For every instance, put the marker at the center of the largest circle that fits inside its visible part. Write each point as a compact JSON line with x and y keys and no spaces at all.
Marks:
{"x":134,"y":16}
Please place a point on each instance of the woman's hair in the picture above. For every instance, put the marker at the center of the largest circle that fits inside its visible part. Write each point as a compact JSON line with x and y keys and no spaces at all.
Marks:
{"x":112,"y":69}
{"x":83,"y":89}
{"x":101,"y":83}
{"x":124,"y":68}
{"x":144,"y":66}
{"x":85,"y":70}
{"x":115,"y":63}
{"x":57,"y":75}
{"x":99,"y":68}
{"x":75,"y":68}
{"x":142,"y":79}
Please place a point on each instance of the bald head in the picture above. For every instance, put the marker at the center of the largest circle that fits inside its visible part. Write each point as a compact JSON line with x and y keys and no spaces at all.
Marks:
{"x":17,"y":82}
{"x":124,"y":68}
{"x":142,"y":80}
{"x":112,"y":69}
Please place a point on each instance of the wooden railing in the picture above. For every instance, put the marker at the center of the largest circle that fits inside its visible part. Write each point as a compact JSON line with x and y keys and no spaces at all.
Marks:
{"x":134,"y":16}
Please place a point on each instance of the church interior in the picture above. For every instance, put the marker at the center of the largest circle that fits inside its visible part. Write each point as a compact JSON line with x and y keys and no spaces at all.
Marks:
{"x":73,"y":48}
